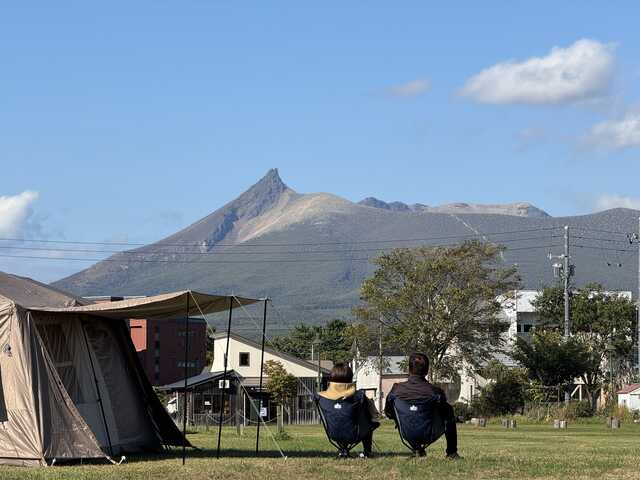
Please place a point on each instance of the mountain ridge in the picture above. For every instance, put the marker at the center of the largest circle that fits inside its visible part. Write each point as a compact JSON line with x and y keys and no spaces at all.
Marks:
{"x":310,"y":252}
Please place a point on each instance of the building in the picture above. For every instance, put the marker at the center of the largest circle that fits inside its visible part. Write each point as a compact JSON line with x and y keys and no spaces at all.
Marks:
{"x":395,"y":370}
{"x":244,"y":397}
{"x":244,"y":359}
{"x":161,"y":343}
{"x":206,"y":392}
{"x":629,"y":396}
{"x":367,"y":377}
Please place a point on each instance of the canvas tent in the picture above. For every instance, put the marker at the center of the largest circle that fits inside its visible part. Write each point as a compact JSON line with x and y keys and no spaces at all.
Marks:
{"x":71,"y":383}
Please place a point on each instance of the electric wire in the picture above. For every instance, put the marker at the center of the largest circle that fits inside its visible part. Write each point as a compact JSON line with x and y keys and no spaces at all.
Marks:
{"x":266,"y":244}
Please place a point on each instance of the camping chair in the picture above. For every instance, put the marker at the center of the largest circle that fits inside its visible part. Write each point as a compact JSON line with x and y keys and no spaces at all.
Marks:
{"x":419,"y":423}
{"x":343,"y":421}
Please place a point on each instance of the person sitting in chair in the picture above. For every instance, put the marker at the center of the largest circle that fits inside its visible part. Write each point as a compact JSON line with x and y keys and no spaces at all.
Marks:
{"x":341,"y":387}
{"x":417,"y":388}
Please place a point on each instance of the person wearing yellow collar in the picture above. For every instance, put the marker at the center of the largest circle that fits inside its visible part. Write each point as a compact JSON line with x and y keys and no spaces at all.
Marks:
{"x":340,"y":387}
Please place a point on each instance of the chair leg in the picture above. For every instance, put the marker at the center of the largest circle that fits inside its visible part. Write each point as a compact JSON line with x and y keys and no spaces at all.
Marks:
{"x":343,"y":453}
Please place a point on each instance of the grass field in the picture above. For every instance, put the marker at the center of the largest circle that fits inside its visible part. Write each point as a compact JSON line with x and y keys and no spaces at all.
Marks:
{"x":584,"y":451}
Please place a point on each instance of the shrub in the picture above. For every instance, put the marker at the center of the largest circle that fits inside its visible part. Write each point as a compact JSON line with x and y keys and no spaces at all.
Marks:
{"x":619,"y":411}
{"x":462,"y":412}
{"x":580,"y":409}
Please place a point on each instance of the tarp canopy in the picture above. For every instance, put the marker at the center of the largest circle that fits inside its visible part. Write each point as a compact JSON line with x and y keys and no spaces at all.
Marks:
{"x":167,"y":306}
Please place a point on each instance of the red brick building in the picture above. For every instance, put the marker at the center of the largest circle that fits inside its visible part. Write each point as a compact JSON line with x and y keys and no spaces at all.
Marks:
{"x":160,"y":346}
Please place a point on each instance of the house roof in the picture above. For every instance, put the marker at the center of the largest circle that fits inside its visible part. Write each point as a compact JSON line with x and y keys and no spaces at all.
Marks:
{"x":629,"y":388}
{"x":196,"y":380}
{"x":277,"y":353}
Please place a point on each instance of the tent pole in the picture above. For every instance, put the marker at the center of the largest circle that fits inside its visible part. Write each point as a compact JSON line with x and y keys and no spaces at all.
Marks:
{"x":224,"y":376}
{"x":264,"y":330}
{"x":95,"y":379}
{"x":184,"y":407}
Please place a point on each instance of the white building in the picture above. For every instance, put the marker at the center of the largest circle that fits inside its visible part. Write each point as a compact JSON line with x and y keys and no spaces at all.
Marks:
{"x":245,"y":355}
{"x":245,"y":360}
{"x":629,"y":396}
{"x":367,"y":377}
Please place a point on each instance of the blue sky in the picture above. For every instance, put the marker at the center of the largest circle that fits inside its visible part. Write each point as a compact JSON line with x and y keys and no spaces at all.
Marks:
{"x":130,"y":120}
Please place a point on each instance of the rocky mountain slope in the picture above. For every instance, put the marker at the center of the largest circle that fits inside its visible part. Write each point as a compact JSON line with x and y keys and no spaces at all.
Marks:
{"x":310,"y":252}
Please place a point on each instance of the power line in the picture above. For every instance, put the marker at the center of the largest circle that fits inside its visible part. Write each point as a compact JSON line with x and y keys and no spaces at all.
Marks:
{"x":130,"y":260}
{"x":606,"y":249}
{"x":286,"y":252}
{"x":209,"y":244}
{"x":599,"y":239}
{"x":614,"y":232}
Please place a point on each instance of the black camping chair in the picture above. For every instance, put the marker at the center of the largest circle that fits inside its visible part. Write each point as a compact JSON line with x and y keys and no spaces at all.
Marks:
{"x":419,"y":422}
{"x":343,"y":421}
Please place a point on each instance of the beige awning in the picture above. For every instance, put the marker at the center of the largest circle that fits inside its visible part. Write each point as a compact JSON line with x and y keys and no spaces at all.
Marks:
{"x":166,"y":306}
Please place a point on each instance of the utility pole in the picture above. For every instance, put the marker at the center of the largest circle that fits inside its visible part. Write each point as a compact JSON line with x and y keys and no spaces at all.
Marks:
{"x":565,"y":271}
{"x":635,"y":238}
{"x":380,"y":369}
{"x":567,"y":274}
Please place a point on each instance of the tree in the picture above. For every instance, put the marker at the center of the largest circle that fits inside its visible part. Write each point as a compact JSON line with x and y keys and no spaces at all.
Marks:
{"x":550,"y":360}
{"x":505,"y":393}
{"x":281,"y":385}
{"x":297,"y":342}
{"x":335,"y":340}
{"x":602,"y":322}
{"x":443,"y":301}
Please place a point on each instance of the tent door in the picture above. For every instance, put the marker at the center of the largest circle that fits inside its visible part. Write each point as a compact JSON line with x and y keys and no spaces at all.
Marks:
{"x":99,"y":410}
{"x":68,"y":348}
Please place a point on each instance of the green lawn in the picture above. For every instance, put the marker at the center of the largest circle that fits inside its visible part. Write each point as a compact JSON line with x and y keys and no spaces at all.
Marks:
{"x":584,"y":451}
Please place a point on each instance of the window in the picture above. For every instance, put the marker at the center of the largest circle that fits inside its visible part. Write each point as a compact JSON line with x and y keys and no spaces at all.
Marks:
{"x":188,"y":365}
{"x":243,"y":361}
{"x":527,"y":328}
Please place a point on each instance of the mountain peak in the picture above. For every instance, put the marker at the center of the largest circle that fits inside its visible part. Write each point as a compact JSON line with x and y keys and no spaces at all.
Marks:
{"x":263,"y":193}
{"x":272,"y":178}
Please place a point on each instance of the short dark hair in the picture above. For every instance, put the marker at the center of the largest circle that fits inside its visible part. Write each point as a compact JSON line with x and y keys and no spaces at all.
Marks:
{"x":418,"y":364}
{"x":341,"y":373}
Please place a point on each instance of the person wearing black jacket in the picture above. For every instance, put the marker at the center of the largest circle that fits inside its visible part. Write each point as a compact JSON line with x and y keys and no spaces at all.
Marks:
{"x":418,"y":388}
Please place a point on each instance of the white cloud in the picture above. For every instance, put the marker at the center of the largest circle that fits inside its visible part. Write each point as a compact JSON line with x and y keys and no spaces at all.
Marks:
{"x":409,"y":89}
{"x":616,"y":134}
{"x":16,"y":213}
{"x":607,"y":202}
{"x":582,"y":71}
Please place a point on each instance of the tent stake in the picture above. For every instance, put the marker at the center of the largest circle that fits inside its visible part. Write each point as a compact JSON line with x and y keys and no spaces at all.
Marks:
{"x":95,"y":379}
{"x":184,"y":407}
{"x":264,"y":327}
{"x":224,"y":376}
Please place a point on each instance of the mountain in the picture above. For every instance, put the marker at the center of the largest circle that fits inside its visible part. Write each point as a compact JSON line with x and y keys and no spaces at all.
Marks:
{"x":310,"y":252}
{"x":520,"y":209}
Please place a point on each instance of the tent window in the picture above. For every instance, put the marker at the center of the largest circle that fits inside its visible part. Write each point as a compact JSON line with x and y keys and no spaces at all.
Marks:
{"x":58,"y":347}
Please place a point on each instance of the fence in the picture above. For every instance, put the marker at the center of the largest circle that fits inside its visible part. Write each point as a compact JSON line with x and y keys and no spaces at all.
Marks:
{"x":291,"y":416}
